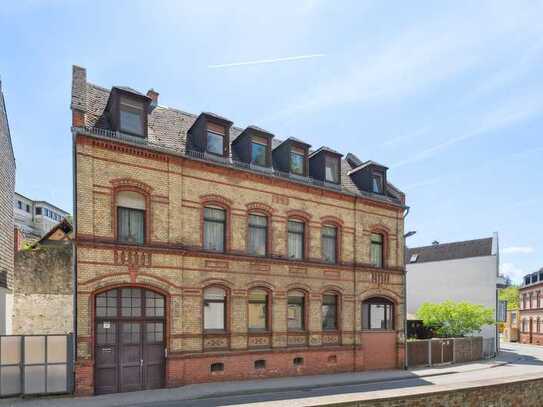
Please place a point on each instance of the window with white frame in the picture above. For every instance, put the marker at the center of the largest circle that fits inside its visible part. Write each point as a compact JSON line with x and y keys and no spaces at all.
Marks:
{"x":214,"y":308}
{"x":214,"y":229}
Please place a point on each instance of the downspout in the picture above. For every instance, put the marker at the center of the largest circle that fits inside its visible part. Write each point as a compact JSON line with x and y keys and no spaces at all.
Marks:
{"x":356,"y":335}
{"x":405,"y":294}
{"x":74,"y":257}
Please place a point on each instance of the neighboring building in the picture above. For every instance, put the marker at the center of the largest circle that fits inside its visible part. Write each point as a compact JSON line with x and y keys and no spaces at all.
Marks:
{"x":7,"y":189}
{"x":206,"y":252}
{"x":35,"y":218}
{"x":531,"y":308}
{"x":459,"y":271}
{"x":511,"y":329}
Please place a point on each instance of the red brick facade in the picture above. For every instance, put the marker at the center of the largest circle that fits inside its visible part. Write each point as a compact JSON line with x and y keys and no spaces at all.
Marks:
{"x":172,"y":262}
{"x":531,"y":314}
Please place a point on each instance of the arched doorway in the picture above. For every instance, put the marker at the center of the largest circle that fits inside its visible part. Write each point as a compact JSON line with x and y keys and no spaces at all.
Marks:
{"x":129,"y":340}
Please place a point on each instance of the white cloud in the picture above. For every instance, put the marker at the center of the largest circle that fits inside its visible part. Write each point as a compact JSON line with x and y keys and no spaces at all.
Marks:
{"x":513,"y":272}
{"x":266,"y":61}
{"x":518,"y":250}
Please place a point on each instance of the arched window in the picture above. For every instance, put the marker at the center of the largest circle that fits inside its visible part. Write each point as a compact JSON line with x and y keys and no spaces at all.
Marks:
{"x":296,"y":310}
{"x":376,"y":254}
{"x":330,"y":311}
{"x":258,"y":310}
{"x":214,"y":309}
{"x":214,"y":228}
{"x":329,"y":238}
{"x":296,"y":239}
{"x":258,"y":234}
{"x":130,"y":217}
{"x":377,"y":314}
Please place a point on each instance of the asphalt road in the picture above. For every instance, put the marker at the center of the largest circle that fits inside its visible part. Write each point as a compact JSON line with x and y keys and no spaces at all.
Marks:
{"x":521,"y":359}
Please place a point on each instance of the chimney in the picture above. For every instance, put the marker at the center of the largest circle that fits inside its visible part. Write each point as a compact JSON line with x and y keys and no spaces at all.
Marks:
{"x":153,"y":94}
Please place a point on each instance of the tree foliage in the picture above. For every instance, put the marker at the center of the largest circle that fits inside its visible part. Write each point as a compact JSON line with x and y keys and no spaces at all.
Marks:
{"x":452,"y":319}
{"x":511,"y":295}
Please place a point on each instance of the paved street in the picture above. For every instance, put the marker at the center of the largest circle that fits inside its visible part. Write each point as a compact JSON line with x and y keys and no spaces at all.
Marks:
{"x":514,"y":361}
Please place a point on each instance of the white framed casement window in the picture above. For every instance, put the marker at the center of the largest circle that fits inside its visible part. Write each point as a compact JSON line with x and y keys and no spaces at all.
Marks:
{"x":131,"y":116}
{"x":329,"y":243}
{"x":130,"y":217}
{"x":214,"y":309}
{"x":258,"y":310}
{"x":258,"y":235}
{"x":296,"y":310}
{"x":376,"y":255}
{"x":296,"y":237}
{"x":214,"y":228}
{"x":331,"y":169}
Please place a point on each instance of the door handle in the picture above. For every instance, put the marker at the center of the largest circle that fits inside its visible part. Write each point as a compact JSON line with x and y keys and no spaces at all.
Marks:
{"x":141,"y":362}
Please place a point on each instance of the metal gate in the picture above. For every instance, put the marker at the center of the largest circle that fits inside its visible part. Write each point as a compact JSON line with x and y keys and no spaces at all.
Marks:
{"x":36,"y":364}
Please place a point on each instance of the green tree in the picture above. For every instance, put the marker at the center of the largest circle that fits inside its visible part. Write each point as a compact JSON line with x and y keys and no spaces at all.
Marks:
{"x":451,"y":319}
{"x":511,"y":295}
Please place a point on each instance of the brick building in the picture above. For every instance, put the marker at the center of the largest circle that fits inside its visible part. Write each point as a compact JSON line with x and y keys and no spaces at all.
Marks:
{"x":7,"y":189}
{"x":205,"y":252}
{"x":531,"y":309}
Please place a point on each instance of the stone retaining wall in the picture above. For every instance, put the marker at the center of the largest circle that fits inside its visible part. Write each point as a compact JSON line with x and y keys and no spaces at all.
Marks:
{"x":525,"y":393}
{"x":42,"y":300}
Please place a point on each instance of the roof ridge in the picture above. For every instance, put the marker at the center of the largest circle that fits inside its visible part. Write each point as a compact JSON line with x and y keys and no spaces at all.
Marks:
{"x":450,"y":243}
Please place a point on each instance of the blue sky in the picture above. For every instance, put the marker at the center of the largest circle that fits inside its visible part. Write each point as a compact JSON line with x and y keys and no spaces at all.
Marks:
{"x":449,"y":95}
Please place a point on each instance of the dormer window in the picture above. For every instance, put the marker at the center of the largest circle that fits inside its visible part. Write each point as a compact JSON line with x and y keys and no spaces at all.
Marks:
{"x":297,"y":159}
{"x":377,"y":183}
{"x":259,"y":151}
{"x":215,"y":143}
{"x":132,"y":116}
{"x":331,"y":170}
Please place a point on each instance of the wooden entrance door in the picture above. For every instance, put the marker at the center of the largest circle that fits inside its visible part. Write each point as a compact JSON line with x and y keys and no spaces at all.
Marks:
{"x":129,"y":338}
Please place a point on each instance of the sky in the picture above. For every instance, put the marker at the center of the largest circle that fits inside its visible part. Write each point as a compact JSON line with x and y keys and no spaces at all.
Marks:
{"x":448,"y":95}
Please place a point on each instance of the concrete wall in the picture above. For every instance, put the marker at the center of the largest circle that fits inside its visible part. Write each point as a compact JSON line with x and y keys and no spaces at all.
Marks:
{"x":42,"y":299}
{"x":473,"y":280}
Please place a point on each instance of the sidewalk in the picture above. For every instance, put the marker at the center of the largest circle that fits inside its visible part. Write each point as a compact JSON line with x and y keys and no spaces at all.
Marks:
{"x":225,"y":389}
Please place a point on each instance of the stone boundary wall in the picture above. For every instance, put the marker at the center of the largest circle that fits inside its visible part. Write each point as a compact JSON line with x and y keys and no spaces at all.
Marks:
{"x":42,"y":298}
{"x":525,"y":391}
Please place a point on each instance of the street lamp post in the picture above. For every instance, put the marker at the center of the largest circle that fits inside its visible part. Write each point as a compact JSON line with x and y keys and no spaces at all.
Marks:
{"x":405,"y":236}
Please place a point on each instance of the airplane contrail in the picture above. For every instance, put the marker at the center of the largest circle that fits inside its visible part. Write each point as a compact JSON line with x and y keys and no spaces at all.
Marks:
{"x":266,"y":61}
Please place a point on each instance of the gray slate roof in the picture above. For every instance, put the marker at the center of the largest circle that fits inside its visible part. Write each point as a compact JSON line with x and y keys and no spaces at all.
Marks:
{"x":450,"y":251}
{"x":168,"y":127}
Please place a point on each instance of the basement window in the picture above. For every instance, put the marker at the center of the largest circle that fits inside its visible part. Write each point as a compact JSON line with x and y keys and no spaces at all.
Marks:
{"x":260,"y":364}
{"x":217,"y":367}
{"x":298,"y":362}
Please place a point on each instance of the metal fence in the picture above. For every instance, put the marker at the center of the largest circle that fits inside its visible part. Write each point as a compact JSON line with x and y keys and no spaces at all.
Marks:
{"x":36,"y":364}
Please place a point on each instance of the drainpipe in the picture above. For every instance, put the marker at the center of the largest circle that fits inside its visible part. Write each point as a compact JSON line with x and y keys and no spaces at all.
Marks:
{"x":74,"y":259}
{"x":356,"y":335}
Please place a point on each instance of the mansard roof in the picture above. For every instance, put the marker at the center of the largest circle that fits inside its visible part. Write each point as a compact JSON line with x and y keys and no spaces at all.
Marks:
{"x":168,"y":127}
